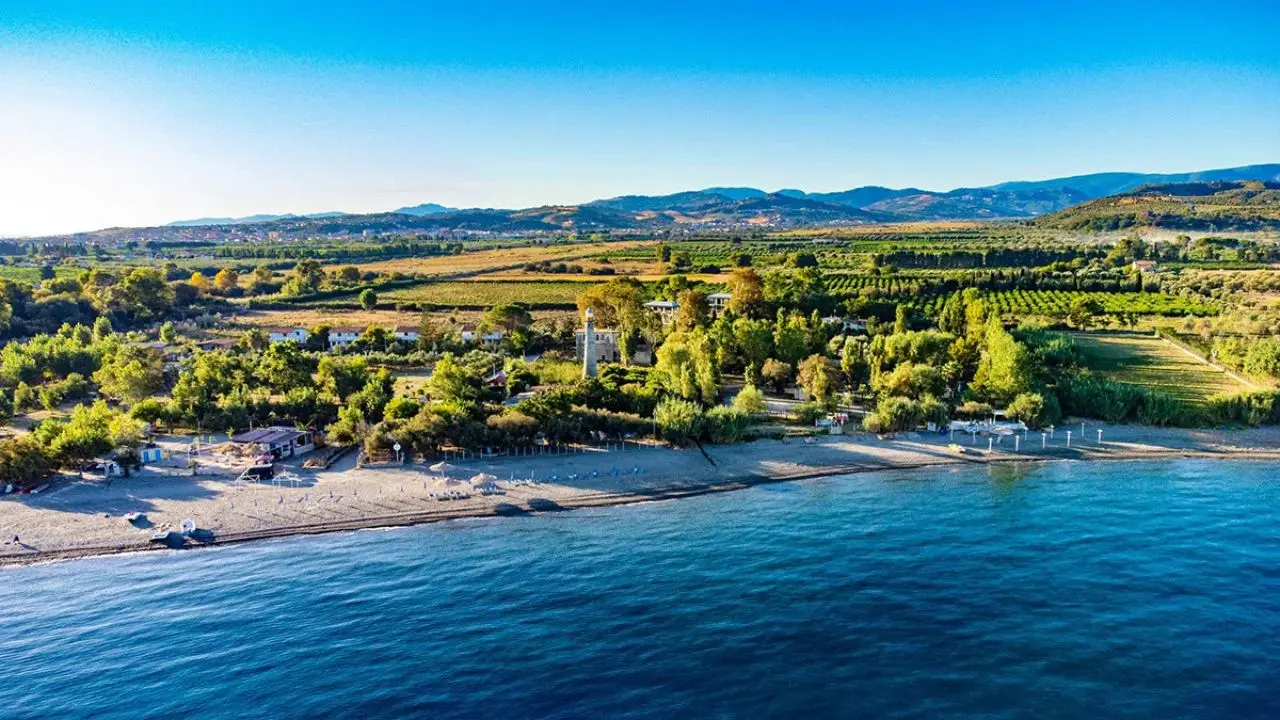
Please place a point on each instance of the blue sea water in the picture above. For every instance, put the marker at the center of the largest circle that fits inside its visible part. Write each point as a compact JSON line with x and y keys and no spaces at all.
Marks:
{"x":1074,"y":590}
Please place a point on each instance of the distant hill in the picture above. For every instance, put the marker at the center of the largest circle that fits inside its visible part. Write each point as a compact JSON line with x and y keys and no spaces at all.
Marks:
{"x":424,"y":209}
{"x":1098,"y":201}
{"x":250,"y":219}
{"x":1205,"y":206}
{"x":978,"y":203}
{"x":1103,"y":184}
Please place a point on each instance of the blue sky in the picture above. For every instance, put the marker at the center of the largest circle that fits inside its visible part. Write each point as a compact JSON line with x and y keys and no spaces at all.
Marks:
{"x":129,"y":113}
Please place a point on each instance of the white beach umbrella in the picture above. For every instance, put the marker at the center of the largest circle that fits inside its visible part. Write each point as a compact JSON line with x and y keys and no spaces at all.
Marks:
{"x":483,"y":479}
{"x":442,"y":468}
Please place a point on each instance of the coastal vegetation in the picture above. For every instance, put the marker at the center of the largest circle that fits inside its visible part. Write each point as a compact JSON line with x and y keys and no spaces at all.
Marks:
{"x":893,"y":328}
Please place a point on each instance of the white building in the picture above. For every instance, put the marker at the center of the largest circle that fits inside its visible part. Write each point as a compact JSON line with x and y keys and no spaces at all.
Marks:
{"x":407,"y":335}
{"x":666,"y":309}
{"x":468,"y":334}
{"x":340,"y":337}
{"x":279,"y":335}
{"x":717,"y":302}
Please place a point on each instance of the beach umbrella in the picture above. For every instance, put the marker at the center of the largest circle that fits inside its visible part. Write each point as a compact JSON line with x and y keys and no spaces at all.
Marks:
{"x":442,"y":468}
{"x":483,"y":479}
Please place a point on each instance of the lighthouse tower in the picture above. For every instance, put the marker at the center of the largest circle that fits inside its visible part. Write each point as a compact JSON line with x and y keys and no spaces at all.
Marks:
{"x":589,"y":346}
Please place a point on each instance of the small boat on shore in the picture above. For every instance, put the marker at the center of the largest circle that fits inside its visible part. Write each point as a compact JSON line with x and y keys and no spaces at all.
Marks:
{"x":161,"y":536}
{"x":135,"y":518}
{"x":188,"y":527}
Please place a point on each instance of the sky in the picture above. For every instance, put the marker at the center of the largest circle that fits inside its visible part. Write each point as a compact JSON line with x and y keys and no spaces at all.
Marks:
{"x":131,"y":113}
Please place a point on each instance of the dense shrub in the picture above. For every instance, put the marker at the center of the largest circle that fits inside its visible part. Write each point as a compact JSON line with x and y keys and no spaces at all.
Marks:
{"x":725,"y":425}
{"x":679,"y":420}
{"x":1254,"y":408}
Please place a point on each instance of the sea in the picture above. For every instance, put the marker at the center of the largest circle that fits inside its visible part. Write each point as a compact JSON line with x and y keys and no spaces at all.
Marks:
{"x":1064,"y":590}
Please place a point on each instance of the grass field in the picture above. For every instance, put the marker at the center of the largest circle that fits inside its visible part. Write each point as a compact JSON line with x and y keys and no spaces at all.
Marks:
{"x":1156,"y":364}
{"x":485,"y":259}
{"x":475,"y":293}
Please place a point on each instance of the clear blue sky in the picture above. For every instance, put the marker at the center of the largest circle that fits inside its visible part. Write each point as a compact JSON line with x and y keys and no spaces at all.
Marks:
{"x":128,"y":113}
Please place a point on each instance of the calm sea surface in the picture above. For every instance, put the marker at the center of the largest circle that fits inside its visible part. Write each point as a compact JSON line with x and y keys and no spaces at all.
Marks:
{"x":1092,"y":590}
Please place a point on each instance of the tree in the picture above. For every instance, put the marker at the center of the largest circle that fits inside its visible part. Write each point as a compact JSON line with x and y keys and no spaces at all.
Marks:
{"x":693,"y":311}
{"x":144,"y":292}
{"x":283,"y":367}
{"x":453,"y":381}
{"x":342,"y":376}
{"x":790,"y":337}
{"x":820,"y":379}
{"x":305,"y":279}
{"x":131,"y":373}
{"x":686,"y":366}
{"x":368,"y":299}
{"x":1005,"y":368}
{"x":507,"y":316}
{"x":776,"y":373}
{"x":347,"y":275}
{"x":747,"y":292}
{"x":1082,"y":312}
{"x":1033,"y":409}
{"x":802,"y":260}
{"x":901,"y":319}
{"x":618,"y":304}
{"x":199,"y":281}
{"x":168,"y":334}
{"x":226,"y":281}
{"x":754,"y":340}
{"x":750,"y":401}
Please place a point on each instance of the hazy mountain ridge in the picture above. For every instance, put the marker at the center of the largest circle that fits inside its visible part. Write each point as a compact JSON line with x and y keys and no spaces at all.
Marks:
{"x":723,"y":207}
{"x":1191,"y":205}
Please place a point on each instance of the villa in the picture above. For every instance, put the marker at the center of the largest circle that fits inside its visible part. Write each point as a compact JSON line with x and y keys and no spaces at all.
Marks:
{"x":296,"y":334}
{"x":340,"y":337}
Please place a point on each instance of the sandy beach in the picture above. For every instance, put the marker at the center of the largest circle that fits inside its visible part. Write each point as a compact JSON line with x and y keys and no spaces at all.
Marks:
{"x":80,"y":517}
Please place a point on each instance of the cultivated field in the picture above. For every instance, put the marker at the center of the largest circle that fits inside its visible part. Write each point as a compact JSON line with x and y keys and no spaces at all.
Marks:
{"x":1155,"y":363}
{"x":488,"y":259}
{"x":479,"y":293}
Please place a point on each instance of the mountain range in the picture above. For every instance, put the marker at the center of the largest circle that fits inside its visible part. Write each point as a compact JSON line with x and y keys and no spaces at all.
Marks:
{"x":746,"y":206}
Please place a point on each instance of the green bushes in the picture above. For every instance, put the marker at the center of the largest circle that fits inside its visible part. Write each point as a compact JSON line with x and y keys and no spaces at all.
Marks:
{"x":1034,"y":409}
{"x":894,"y":414}
{"x":1091,"y":396}
{"x":1255,"y":408}
{"x":679,"y":420}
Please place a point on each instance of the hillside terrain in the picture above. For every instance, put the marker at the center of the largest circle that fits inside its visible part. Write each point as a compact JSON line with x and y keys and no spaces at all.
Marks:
{"x":1207,"y":206}
{"x":1101,"y":201}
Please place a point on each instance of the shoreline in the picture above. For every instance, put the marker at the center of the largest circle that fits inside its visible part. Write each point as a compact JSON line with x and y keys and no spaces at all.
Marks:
{"x":731,"y":483}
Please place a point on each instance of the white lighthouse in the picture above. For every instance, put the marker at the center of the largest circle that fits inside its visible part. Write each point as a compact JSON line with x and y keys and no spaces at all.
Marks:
{"x":589,"y":345}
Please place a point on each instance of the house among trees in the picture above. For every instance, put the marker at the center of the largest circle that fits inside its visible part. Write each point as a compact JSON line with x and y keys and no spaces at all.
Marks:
{"x":296,"y":334}
{"x":407,"y":334}
{"x":666,"y":309}
{"x":340,"y":337}
{"x":469,"y":334}
{"x":1146,"y":266}
{"x":717,"y":302}
{"x":280,"y":442}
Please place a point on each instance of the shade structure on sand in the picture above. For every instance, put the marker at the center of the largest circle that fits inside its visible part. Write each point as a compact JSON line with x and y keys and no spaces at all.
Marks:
{"x":442,"y":467}
{"x":483,"y":479}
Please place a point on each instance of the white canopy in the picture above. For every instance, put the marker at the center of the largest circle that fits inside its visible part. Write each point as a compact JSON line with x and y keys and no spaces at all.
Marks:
{"x":442,"y":467}
{"x":483,"y":479}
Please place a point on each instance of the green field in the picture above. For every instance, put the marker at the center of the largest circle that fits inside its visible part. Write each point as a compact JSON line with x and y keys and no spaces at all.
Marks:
{"x":1154,"y":363}
{"x":473,"y":293}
